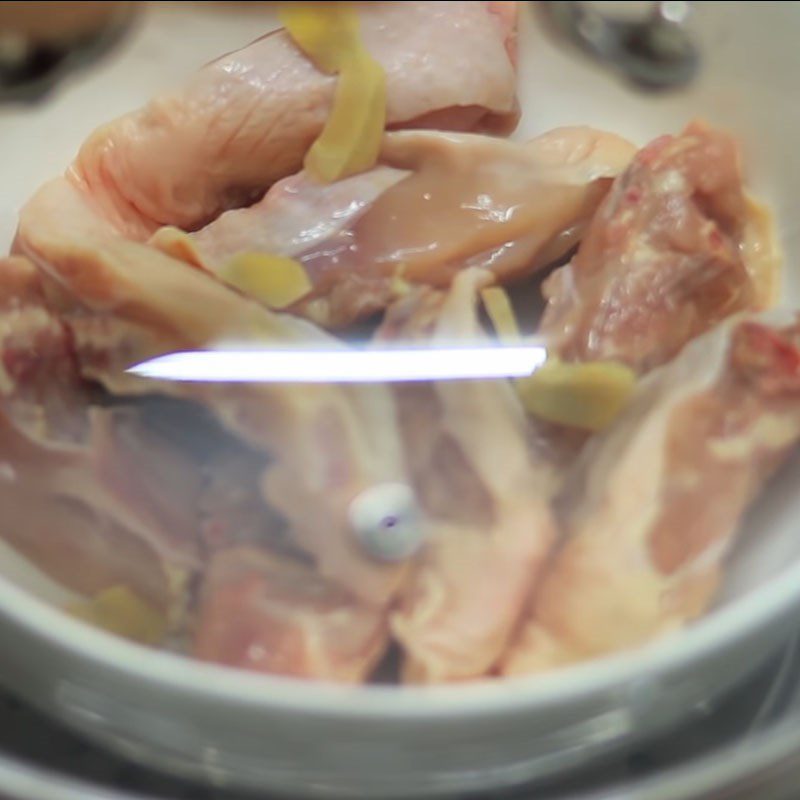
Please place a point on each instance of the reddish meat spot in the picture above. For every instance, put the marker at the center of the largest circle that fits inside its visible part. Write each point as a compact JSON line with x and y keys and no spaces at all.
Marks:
{"x":633,"y":195}
{"x":766,"y":355}
{"x":14,"y":363}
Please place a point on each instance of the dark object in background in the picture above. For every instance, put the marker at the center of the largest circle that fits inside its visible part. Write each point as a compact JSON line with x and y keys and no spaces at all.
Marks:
{"x":654,"y":53}
{"x":43,"y":42}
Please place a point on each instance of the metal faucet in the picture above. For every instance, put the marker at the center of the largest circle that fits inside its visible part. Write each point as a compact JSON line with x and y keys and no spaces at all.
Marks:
{"x":653,"y":53}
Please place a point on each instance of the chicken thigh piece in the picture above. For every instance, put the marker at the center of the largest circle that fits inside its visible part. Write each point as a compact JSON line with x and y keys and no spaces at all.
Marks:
{"x":654,"y":503}
{"x":102,"y":501}
{"x":674,"y":248}
{"x":322,"y":446}
{"x":435,"y":204}
{"x":247,"y":119}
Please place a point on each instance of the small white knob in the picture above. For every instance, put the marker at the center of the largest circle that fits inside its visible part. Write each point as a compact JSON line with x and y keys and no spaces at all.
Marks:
{"x":387,"y":522}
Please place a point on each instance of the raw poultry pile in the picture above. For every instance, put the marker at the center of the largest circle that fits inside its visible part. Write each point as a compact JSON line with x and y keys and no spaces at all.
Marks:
{"x":350,"y":173}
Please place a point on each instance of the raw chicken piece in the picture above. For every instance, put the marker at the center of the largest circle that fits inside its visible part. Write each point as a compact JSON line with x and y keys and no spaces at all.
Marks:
{"x":91,"y":496}
{"x":124,"y":508}
{"x":662,"y":260}
{"x":654,"y":502}
{"x":297,"y":214}
{"x":491,"y":526}
{"x":131,"y":302}
{"x":436,"y":203}
{"x":247,"y":119}
{"x":116,"y":509}
{"x":267,"y":613}
{"x":40,"y":388}
{"x":231,"y":509}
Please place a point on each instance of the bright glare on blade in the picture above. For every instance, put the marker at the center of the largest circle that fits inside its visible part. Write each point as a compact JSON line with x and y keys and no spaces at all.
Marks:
{"x":344,"y":366}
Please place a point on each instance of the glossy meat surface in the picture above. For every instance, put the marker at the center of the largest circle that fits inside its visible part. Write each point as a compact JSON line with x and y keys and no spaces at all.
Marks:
{"x":437,"y":203}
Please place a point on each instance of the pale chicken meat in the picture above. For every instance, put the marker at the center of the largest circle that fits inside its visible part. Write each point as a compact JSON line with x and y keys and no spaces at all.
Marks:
{"x":115,"y":509}
{"x":490,"y":526}
{"x":668,"y":254}
{"x":124,"y":507}
{"x":653,"y":504}
{"x":90,"y":494}
{"x":296,"y":215}
{"x":247,"y":119}
{"x":435,"y":204}
{"x":268,"y":613}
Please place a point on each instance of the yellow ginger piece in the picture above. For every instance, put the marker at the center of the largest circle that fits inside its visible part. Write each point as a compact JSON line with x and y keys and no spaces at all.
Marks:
{"x":275,"y":281}
{"x":501,"y":313}
{"x":328,"y":33}
{"x":587,"y":396}
{"x":118,"y":610}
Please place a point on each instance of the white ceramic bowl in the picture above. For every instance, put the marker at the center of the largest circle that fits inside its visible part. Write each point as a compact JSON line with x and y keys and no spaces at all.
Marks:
{"x":233,"y":728}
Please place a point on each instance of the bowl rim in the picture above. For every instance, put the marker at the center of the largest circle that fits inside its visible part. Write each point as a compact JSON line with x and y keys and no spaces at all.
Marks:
{"x":722,"y":628}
